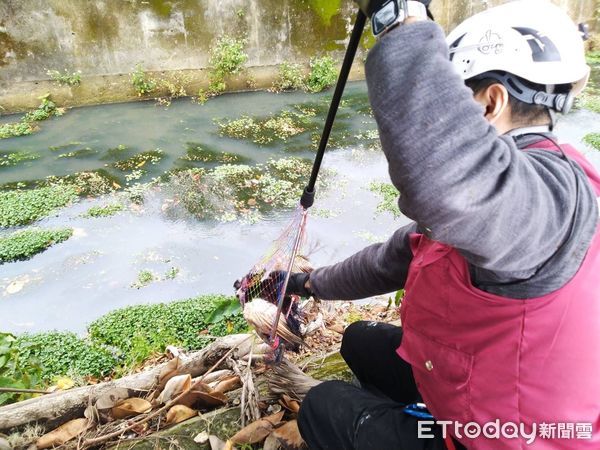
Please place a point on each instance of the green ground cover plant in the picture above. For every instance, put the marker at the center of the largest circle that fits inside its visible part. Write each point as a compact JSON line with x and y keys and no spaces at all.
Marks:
{"x":389,"y":197}
{"x":289,"y":77}
{"x":323,"y":74}
{"x":17,"y":369}
{"x":61,"y":353}
{"x":104,"y":211}
{"x":177,"y":323}
{"x":227,"y":57}
{"x":24,"y":244}
{"x":22,"y":207}
{"x":65,"y":78}
{"x":593,"y":140}
{"x":141,"y":82}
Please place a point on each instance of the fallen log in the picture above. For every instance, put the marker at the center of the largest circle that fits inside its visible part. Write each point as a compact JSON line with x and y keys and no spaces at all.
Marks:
{"x":57,"y":408}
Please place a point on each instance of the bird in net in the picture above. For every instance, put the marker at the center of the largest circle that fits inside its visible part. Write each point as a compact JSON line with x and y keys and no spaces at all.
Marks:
{"x":261,"y":291}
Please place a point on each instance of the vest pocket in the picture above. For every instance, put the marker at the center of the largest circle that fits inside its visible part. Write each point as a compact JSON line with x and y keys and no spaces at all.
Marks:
{"x":442,"y":374}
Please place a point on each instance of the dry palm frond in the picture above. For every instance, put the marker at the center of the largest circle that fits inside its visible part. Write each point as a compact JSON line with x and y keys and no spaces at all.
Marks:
{"x":287,"y":378}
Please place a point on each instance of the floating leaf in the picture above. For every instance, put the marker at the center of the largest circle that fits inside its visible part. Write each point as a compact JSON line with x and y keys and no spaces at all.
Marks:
{"x":174,"y":387}
{"x":179,"y":413}
{"x":258,"y":430}
{"x":201,"y":438}
{"x":131,"y":407}
{"x":63,"y":434}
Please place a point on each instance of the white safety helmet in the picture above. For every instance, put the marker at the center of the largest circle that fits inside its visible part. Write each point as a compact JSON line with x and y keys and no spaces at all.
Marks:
{"x":532,"y":39}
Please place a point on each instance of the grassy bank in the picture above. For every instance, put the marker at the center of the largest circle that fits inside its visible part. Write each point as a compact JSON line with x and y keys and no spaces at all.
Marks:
{"x":116,"y":343}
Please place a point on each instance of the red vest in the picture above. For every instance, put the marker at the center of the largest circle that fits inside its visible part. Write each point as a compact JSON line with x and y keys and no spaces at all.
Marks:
{"x":479,"y":357}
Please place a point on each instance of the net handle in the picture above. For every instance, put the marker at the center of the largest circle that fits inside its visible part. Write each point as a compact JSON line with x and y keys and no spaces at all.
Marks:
{"x":308,"y":196}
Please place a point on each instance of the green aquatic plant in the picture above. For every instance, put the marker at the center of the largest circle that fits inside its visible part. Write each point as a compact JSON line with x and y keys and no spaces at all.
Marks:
{"x":267,"y":130}
{"x":323,"y":74}
{"x":139,"y":160}
{"x":66,"y":78}
{"x":172,"y":273}
{"x":8,"y":159}
{"x":593,"y":140}
{"x":60,"y":353}
{"x":15,"y":129}
{"x":201,"y":153}
{"x":17,"y":370}
{"x":46,"y":109}
{"x":79,"y":154}
{"x":141,"y":82}
{"x":389,"y":197}
{"x":22,"y":245}
{"x":19,"y":207}
{"x":104,"y":211}
{"x":144,"y":278}
{"x":289,"y":78}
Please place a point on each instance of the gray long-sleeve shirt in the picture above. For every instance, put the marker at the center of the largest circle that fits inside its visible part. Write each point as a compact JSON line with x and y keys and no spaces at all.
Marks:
{"x":522,"y":219}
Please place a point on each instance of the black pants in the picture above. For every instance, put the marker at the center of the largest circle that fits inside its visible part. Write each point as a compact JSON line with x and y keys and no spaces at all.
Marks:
{"x":340,"y":416}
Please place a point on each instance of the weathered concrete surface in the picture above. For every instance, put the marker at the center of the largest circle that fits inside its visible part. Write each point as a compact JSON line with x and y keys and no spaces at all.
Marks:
{"x":105,"y":39}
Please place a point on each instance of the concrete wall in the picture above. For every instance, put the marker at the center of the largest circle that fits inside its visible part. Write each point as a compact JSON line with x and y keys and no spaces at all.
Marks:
{"x":105,"y":39}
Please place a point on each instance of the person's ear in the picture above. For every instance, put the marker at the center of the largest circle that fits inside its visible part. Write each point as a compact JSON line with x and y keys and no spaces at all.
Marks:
{"x":495,"y":101}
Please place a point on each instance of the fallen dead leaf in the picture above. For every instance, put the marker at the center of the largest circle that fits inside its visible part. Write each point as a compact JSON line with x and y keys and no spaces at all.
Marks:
{"x":290,"y":403}
{"x":62,"y":434}
{"x":228,"y":384}
{"x":131,"y":407}
{"x":218,"y":444}
{"x":174,"y":387}
{"x":258,"y":430}
{"x":179,"y":413}
{"x":201,"y":438}
{"x":288,"y":436}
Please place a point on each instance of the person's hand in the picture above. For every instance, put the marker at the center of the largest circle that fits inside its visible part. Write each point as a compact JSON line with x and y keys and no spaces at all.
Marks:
{"x":298,"y":283}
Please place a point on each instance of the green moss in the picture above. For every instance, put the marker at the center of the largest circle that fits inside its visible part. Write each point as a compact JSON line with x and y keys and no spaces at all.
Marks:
{"x":104,"y":211}
{"x":24,"y":207}
{"x":389,"y":197}
{"x":326,"y":9}
{"x":60,"y":353}
{"x":593,"y":140}
{"x":23,"y":245}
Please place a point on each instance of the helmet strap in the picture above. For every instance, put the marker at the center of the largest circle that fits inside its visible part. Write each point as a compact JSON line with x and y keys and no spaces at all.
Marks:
{"x":561,"y":103}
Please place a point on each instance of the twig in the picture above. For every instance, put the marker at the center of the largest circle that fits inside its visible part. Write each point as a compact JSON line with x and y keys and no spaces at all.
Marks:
{"x":24,"y":391}
{"x":106,"y":437}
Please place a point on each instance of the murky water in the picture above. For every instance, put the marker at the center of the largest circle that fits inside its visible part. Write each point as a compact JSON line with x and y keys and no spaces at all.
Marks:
{"x":75,"y":282}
